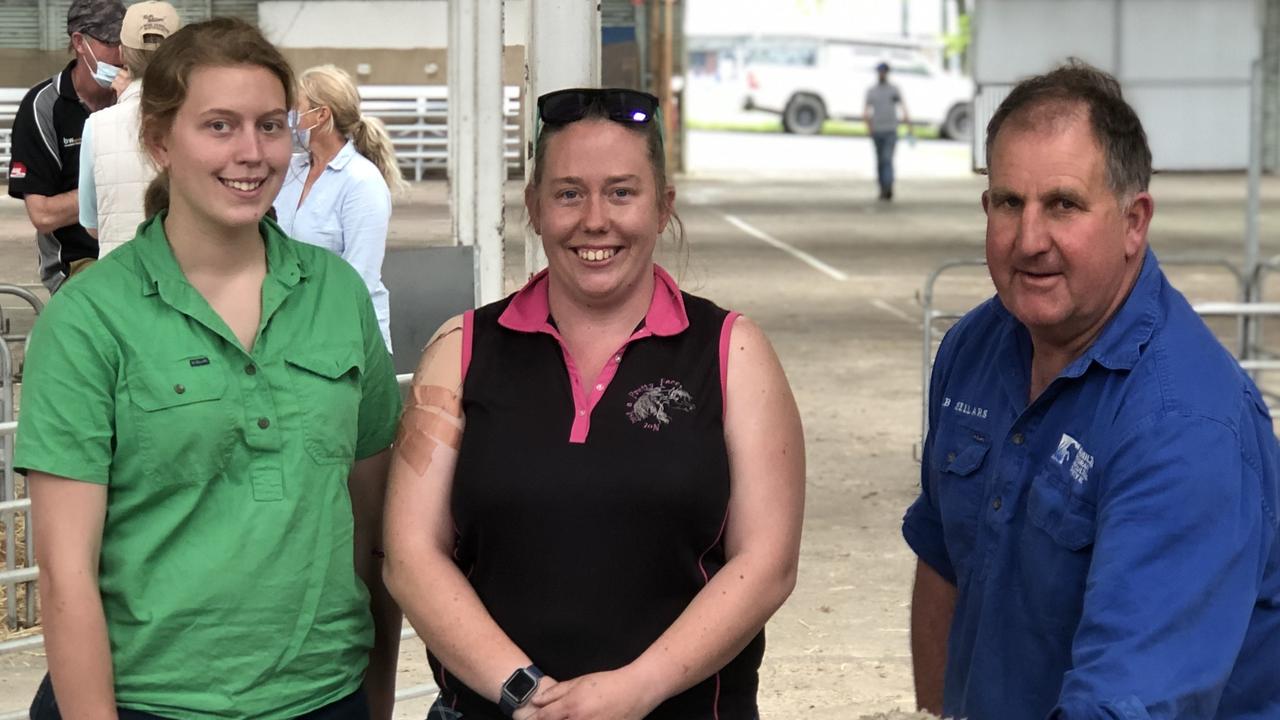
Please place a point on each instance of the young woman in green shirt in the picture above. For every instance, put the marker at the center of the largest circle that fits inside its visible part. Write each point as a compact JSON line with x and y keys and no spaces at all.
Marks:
{"x":205,"y":424}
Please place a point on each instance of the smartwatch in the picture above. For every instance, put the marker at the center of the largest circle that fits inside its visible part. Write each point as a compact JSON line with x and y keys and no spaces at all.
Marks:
{"x":518,"y":689}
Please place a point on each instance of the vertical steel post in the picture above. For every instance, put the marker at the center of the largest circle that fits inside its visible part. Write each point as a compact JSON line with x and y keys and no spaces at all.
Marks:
{"x":1253,"y":207}
{"x":477,"y":169}
{"x":563,"y":52}
{"x":8,"y":491}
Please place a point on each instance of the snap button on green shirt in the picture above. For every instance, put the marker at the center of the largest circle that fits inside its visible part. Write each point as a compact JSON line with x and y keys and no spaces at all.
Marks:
{"x":227,"y":572}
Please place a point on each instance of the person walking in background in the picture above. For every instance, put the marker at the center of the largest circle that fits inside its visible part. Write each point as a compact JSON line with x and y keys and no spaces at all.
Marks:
{"x":338,"y":191}
{"x":1096,"y":528}
{"x":114,"y":168}
{"x":44,"y":167}
{"x":206,"y":421}
{"x":597,"y":490}
{"x":880,"y":113}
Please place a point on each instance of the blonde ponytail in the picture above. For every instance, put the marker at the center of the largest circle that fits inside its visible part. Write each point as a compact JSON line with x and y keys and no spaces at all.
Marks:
{"x":372,"y":141}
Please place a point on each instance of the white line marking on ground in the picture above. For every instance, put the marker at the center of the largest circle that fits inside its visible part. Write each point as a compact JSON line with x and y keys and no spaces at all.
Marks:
{"x":894,"y":311}
{"x":797,"y":253}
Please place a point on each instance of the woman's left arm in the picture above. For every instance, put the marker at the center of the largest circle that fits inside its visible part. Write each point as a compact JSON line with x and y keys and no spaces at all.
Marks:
{"x":761,"y":541}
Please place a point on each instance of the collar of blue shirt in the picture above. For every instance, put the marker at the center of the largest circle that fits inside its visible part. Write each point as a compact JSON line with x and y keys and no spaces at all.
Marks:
{"x":1121,"y":341}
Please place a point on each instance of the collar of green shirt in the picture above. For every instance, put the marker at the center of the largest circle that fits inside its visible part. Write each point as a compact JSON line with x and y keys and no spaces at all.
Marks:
{"x":161,"y":274}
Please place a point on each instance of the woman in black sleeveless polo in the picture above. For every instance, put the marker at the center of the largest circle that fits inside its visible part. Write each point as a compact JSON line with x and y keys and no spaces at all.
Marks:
{"x":597,"y":494}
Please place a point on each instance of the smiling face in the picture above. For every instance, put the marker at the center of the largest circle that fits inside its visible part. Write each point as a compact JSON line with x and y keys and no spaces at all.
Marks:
{"x":227,"y":148}
{"x":598,"y":211}
{"x":1062,"y":252}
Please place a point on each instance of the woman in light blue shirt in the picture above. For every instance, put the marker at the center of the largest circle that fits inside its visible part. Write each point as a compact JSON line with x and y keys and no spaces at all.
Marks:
{"x":337,"y":194}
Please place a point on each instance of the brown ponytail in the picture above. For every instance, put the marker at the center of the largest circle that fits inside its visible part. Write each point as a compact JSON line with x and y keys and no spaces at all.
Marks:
{"x":157,"y":196}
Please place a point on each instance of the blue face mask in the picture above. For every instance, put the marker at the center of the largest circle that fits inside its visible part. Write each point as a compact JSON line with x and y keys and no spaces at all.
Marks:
{"x":301,"y":135}
{"x":104,"y":73}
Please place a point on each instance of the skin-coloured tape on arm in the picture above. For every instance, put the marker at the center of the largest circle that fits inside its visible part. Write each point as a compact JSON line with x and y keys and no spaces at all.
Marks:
{"x":432,"y":419}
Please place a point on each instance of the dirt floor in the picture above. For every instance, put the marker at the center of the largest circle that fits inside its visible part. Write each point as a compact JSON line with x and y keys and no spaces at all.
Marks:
{"x":851,"y":343}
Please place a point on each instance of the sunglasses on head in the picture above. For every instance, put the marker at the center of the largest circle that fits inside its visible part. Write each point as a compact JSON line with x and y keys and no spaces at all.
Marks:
{"x":630,"y":107}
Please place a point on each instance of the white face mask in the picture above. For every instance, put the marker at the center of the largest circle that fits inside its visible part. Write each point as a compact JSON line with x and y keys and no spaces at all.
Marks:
{"x":103,"y":73}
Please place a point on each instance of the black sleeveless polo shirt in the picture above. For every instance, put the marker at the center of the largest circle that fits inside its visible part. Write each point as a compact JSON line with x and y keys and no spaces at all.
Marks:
{"x":589,"y":516}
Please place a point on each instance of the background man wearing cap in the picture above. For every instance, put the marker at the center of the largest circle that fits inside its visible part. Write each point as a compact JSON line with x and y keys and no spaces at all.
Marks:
{"x":114,"y":169}
{"x":45,"y":166}
{"x":881,"y":116}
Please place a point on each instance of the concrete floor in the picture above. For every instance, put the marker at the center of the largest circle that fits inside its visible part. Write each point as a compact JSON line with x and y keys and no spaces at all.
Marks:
{"x":850,"y":339}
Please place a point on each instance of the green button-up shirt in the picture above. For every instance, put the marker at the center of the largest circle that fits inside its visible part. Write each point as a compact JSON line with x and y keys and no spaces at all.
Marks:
{"x":227,"y":572}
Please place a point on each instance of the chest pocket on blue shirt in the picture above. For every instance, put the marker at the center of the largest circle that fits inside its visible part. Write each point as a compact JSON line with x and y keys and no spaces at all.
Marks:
{"x":183,"y":428}
{"x":326,"y":383}
{"x":1057,"y":506}
{"x":1056,"y":547}
{"x":959,"y":456}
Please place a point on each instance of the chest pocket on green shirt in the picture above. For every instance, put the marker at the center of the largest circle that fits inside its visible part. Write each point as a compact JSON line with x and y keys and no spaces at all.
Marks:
{"x":326,"y":382}
{"x":184,"y":427}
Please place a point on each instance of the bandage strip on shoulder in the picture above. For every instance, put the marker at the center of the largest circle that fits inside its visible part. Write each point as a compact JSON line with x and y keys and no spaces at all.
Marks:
{"x":432,"y":419}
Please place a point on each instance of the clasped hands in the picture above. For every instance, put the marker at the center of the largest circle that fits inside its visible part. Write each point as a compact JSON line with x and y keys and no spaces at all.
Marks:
{"x":612,"y":695}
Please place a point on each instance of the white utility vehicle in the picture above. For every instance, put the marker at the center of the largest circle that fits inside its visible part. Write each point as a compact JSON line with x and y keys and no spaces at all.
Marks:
{"x":811,"y":80}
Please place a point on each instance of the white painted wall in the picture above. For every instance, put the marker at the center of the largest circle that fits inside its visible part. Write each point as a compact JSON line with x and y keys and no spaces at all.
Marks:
{"x":1184,"y":65}
{"x":400,"y":24}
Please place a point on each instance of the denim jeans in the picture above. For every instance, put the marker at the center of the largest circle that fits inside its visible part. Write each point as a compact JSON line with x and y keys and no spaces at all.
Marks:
{"x":352,"y":707}
{"x":885,"y":143}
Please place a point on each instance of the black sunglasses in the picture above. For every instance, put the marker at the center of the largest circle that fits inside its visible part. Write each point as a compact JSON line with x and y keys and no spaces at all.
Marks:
{"x":630,"y":107}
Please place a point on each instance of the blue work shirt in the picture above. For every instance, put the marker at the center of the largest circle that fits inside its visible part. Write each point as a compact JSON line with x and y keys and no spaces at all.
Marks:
{"x":1114,"y":542}
{"x":347,"y":211}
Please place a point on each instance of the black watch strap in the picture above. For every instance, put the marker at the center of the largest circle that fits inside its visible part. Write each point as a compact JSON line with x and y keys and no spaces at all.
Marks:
{"x":518,"y":689}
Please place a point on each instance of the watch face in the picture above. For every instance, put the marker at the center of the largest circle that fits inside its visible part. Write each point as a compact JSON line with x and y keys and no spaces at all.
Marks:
{"x":520,"y":686}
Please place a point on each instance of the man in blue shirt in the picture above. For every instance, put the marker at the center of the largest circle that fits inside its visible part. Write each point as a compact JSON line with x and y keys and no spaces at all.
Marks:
{"x":1097,"y":523}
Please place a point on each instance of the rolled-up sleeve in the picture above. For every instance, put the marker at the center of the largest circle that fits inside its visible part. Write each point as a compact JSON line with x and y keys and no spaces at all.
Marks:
{"x":380,"y":402}
{"x":1179,"y":553}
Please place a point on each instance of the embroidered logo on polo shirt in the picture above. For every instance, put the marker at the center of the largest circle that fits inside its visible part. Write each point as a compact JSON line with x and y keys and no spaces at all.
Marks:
{"x":1081,"y":462}
{"x":70,"y":142}
{"x":650,"y":404}
{"x":17,"y":171}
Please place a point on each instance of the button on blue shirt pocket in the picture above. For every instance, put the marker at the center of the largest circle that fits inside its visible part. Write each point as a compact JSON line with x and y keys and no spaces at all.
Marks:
{"x":959,"y":478}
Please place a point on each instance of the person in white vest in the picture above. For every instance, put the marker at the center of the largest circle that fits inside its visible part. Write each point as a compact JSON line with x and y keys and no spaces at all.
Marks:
{"x":114,"y":170}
